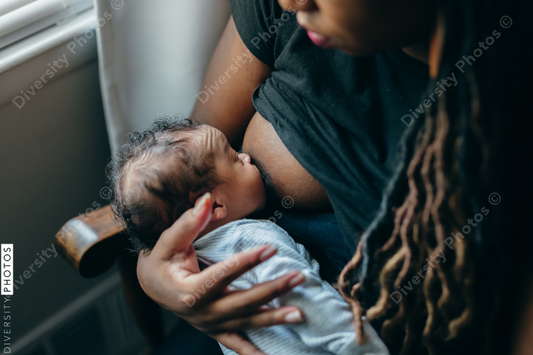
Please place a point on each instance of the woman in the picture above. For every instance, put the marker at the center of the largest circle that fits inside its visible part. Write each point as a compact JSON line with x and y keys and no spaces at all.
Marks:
{"x":443,"y":247}
{"x":360,"y":28}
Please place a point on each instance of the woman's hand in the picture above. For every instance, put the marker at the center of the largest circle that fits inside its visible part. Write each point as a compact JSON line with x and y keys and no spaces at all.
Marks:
{"x":170,"y":275}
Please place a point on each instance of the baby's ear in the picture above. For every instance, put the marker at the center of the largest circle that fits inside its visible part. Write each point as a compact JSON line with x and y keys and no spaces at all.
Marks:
{"x":219,"y":212}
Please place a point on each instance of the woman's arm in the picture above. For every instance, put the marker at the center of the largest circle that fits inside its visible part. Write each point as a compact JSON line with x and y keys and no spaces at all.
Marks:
{"x":232,"y":76}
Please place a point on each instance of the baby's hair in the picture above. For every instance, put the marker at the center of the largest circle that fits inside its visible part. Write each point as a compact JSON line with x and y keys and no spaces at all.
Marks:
{"x":155,"y":175}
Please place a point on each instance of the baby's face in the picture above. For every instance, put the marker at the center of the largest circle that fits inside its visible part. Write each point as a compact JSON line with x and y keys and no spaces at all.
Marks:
{"x":242,"y":188}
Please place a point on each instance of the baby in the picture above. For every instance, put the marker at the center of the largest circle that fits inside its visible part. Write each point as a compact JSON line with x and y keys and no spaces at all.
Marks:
{"x":160,"y":173}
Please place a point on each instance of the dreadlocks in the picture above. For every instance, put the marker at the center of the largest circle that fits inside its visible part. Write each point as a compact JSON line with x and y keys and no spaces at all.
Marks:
{"x":472,"y":143}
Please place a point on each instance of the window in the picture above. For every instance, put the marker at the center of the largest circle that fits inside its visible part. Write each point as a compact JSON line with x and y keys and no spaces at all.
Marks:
{"x":22,"y":18}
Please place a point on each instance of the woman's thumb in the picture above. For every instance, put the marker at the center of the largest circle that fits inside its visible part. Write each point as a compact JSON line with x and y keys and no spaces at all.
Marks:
{"x":183,"y":232}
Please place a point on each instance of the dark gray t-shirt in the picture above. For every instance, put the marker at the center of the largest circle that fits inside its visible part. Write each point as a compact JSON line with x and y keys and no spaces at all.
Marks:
{"x":340,"y":116}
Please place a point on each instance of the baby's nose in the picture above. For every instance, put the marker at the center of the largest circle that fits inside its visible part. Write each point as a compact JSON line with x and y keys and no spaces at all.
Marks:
{"x":245,"y":158}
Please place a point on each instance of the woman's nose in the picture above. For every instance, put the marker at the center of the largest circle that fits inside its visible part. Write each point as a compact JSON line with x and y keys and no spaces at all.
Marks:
{"x":245,"y":158}
{"x":298,"y":5}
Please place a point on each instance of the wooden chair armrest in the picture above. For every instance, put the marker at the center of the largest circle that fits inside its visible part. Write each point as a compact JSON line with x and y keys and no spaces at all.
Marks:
{"x":91,"y":242}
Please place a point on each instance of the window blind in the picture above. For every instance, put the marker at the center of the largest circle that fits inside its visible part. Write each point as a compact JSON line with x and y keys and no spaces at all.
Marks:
{"x":10,"y":5}
{"x":22,"y":18}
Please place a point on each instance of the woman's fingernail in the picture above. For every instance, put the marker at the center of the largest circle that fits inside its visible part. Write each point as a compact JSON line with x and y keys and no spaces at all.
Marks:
{"x":267,"y":253}
{"x":294,"y":317}
{"x":296,"y":280}
{"x":200,"y":205}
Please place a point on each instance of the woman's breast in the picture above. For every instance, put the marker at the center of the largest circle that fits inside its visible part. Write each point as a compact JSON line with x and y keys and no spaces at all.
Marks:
{"x":283,"y":175}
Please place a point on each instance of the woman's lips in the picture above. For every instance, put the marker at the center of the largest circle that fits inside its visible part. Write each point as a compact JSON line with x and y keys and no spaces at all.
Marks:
{"x":319,"y":40}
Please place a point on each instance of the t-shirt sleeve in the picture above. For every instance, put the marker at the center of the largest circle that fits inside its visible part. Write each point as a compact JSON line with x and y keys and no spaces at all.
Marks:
{"x":253,"y":18}
{"x":328,"y":320}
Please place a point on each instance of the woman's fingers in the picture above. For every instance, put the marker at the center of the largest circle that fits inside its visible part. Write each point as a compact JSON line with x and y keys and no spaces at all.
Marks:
{"x":237,"y":309}
{"x":217,"y":277}
{"x":265,"y":318}
{"x":249,"y":301}
{"x":237,"y":343}
{"x":184,"y":231}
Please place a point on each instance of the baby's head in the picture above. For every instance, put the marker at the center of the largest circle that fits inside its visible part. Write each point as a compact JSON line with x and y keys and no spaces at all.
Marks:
{"x":160,"y":173}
